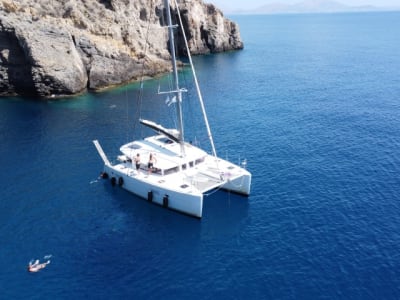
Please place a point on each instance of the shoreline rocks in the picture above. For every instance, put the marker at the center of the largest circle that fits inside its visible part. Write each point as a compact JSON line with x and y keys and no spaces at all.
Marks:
{"x":62,"y":48}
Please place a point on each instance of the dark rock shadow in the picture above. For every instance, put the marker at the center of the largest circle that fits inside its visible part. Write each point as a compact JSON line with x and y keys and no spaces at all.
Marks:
{"x":15,"y":69}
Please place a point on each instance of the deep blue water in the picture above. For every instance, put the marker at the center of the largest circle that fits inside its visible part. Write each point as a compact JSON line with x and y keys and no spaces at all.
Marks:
{"x":313,"y":103}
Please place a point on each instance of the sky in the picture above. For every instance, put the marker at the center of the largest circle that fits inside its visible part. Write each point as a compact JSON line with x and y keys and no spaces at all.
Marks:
{"x":230,"y":5}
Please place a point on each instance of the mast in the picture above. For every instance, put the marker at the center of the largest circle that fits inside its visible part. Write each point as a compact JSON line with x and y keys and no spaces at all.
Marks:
{"x":203,"y":109}
{"x":177,"y":91}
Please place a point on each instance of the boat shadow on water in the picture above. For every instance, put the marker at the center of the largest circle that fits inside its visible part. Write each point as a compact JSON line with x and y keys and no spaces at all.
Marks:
{"x":224,"y":205}
{"x":220,"y":208}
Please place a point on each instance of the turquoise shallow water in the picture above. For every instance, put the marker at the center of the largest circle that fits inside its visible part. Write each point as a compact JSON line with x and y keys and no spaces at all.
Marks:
{"x":312,"y":102}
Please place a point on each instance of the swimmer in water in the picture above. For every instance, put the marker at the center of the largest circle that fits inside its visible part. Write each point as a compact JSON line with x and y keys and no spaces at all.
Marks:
{"x":37,"y":266}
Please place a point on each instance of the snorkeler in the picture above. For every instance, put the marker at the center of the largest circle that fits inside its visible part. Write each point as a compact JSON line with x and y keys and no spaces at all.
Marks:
{"x":37,"y":266}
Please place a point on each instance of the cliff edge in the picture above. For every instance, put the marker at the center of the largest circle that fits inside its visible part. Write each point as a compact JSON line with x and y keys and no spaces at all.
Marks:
{"x":61,"y":48}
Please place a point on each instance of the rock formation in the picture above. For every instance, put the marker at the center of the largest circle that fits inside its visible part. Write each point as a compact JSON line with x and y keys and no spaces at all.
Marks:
{"x":57,"y":48}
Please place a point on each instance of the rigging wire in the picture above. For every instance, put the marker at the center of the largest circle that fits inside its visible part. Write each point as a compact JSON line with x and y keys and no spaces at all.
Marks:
{"x":173,"y":117}
{"x":139,"y":98}
{"x":197,"y":85}
{"x":141,"y":34}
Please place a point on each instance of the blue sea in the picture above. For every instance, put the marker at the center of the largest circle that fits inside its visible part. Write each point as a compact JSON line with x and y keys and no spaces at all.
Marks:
{"x":312,"y":103}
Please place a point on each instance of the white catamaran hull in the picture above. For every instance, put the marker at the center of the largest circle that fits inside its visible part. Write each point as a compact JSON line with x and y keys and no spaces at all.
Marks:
{"x":177,"y":183}
{"x":240,"y":185}
{"x":190,"y":203}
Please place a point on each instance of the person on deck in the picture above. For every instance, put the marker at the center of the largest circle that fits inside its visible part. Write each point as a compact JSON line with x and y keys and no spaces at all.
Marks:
{"x":152,"y":161}
{"x":137,"y":162}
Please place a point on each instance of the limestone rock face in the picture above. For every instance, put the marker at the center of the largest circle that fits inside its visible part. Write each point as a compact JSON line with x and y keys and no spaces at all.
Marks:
{"x":56,"y":48}
{"x":207,"y":30}
{"x":55,"y":65}
{"x":15,"y":70}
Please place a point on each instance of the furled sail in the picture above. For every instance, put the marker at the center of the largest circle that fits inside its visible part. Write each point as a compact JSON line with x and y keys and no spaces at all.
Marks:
{"x":172,"y":134}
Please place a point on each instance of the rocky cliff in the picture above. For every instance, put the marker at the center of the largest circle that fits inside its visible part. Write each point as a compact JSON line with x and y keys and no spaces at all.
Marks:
{"x":63,"y":47}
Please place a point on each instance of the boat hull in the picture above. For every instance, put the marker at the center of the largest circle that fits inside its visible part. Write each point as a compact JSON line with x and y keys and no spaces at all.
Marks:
{"x":239,"y":185}
{"x":187,"y":202}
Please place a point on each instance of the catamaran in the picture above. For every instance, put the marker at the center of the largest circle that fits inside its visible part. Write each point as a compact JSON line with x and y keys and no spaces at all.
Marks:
{"x":179,"y":173}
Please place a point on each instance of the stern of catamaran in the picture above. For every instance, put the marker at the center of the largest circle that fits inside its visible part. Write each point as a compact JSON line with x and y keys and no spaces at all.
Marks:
{"x":239,"y":185}
{"x":218,"y":173}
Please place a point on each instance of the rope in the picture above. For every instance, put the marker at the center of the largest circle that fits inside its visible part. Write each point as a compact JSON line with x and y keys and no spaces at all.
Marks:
{"x":139,"y":98}
{"x":213,"y":191}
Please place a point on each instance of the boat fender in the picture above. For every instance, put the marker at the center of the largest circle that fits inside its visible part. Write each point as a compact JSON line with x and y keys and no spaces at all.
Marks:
{"x":120,"y":181}
{"x":113,"y":181}
{"x":165,"y":200}
{"x":150,"y":196}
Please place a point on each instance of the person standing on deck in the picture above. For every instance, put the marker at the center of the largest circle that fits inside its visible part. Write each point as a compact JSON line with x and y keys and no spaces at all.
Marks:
{"x":137,"y":162}
{"x":152,"y":161}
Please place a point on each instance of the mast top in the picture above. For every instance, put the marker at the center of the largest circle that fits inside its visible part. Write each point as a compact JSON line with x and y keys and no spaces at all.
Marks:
{"x":178,"y":91}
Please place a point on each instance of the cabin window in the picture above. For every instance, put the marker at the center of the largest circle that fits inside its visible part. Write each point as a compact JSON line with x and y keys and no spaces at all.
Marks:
{"x":165,"y":140}
{"x":134,"y":146}
{"x":200,"y":160}
{"x":170,"y":171}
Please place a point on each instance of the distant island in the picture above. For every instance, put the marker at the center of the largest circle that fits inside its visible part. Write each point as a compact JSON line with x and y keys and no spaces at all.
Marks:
{"x":312,"y":6}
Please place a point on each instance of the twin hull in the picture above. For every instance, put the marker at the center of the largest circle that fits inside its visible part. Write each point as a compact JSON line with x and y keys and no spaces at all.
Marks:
{"x":178,"y":188}
{"x":188,"y":203}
